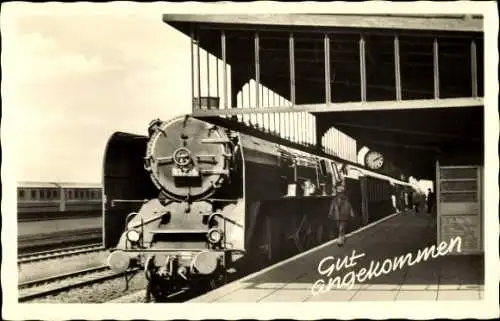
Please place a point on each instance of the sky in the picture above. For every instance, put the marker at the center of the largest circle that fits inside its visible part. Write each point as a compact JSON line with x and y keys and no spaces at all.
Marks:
{"x":74,"y":78}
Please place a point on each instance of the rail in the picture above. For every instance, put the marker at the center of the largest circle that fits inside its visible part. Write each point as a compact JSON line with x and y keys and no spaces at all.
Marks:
{"x":48,"y":286}
{"x":59,"y":253}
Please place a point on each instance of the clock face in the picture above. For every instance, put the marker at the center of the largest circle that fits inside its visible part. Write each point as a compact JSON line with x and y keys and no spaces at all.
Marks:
{"x":374,"y":160}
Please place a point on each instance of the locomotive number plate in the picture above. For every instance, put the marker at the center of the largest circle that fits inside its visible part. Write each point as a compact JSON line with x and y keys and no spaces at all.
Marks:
{"x":177,"y":172}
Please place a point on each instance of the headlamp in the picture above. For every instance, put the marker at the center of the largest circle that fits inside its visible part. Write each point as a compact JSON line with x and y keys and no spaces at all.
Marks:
{"x":133,"y":236}
{"x":214,"y":236}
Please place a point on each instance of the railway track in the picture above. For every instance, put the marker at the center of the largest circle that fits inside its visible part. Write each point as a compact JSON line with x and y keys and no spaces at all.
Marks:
{"x":64,"y":282}
{"x":59,"y":253}
{"x":39,"y":243}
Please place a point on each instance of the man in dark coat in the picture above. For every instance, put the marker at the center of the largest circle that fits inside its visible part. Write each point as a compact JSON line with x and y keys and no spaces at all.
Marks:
{"x":340,"y":211}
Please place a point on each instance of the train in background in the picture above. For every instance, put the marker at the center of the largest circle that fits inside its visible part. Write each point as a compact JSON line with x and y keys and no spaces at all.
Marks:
{"x":47,"y":200}
{"x":198,"y":197}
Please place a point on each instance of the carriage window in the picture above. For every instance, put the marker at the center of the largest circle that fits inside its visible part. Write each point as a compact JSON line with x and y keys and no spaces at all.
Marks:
{"x":71,"y":194}
{"x":33,"y":194}
{"x":20,"y":194}
{"x":322,"y":167}
{"x":336,"y":176}
{"x":54,"y":194}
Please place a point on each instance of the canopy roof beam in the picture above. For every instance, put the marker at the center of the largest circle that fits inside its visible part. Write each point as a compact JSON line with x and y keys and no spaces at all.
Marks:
{"x":456,"y":23}
{"x":350,"y":106}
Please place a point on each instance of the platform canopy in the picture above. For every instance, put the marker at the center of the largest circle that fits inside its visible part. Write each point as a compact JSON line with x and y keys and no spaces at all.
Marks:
{"x":406,"y":85}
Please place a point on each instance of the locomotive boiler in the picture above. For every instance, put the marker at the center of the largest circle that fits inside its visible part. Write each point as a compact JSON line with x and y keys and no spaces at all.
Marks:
{"x":194,"y":200}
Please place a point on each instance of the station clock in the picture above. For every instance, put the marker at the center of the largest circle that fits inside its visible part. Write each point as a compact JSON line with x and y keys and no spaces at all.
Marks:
{"x":374,"y":160}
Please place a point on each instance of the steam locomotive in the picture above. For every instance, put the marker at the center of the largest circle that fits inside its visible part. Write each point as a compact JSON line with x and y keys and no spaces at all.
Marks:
{"x":197,"y":199}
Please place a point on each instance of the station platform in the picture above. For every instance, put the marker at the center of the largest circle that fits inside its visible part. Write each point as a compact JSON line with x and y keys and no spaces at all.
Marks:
{"x":448,"y":277}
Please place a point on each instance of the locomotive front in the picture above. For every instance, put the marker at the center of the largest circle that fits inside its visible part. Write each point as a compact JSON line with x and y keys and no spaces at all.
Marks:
{"x":188,"y":230}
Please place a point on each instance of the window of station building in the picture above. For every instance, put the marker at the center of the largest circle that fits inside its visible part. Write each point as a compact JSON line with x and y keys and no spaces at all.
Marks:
{"x":416,"y":67}
{"x":345,"y":82}
{"x":309,"y":58}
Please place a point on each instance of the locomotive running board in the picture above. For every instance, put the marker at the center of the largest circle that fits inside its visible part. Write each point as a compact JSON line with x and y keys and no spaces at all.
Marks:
{"x":178,"y":231}
{"x":163,"y":250}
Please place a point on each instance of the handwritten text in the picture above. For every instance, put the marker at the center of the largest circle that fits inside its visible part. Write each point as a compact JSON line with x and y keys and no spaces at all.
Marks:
{"x":328,"y":265}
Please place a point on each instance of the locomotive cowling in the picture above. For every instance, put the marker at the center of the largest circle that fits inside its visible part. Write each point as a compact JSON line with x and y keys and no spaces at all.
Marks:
{"x":185,"y":233}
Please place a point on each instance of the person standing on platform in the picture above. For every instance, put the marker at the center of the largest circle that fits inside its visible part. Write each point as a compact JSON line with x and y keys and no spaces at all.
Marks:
{"x":430,"y":201}
{"x":421,"y":202}
{"x":340,"y":211}
{"x":415,"y":196}
{"x":410,"y":199}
